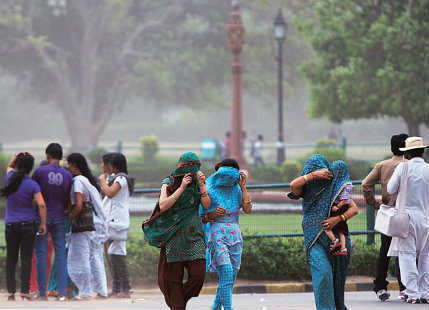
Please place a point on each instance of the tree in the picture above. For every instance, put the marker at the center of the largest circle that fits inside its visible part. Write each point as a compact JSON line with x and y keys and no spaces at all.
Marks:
{"x":90,"y":57}
{"x":78,"y":54}
{"x":372,"y":60}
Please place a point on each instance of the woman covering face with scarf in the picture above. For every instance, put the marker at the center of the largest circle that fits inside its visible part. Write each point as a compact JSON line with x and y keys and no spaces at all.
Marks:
{"x":319,"y":186}
{"x":175,"y":228}
{"x":227,"y":190}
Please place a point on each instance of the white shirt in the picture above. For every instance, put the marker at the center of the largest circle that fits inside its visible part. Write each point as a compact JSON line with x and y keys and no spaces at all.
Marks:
{"x":257,"y":149}
{"x":418,"y":184}
{"x":119,"y":217}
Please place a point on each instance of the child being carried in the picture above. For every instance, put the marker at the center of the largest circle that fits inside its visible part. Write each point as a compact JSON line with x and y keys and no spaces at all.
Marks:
{"x":338,"y":234}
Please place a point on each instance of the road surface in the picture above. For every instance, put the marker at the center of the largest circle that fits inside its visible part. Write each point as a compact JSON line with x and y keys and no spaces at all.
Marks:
{"x":298,"y":301}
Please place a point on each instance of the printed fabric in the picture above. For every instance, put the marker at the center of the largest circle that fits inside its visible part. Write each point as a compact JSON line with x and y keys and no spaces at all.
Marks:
{"x":328,"y":272}
{"x":319,"y":195}
{"x":179,"y":228}
{"x":223,"y":235}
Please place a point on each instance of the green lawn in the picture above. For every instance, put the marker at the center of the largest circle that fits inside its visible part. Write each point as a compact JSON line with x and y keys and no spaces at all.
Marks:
{"x":266,"y":223}
{"x":250,"y":224}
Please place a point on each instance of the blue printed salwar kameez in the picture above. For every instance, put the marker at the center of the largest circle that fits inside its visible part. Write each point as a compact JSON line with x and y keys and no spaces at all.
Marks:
{"x":223,"y":235}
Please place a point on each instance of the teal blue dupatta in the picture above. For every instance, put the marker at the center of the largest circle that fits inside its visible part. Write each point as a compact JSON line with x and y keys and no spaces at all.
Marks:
{"x":328,"y":272}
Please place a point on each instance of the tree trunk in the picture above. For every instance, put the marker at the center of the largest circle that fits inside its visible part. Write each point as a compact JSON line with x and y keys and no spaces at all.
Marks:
{"x":413,"y":128}
{"x":79,"y":131}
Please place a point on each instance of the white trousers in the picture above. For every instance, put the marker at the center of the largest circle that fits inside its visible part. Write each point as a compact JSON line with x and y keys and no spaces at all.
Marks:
{"x":85,"y":264}
{"x":98,"y":271}
{"x":415,"y":247}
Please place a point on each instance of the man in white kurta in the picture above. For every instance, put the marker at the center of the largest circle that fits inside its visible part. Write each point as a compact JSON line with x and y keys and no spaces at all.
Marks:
{"x":416,"y":245}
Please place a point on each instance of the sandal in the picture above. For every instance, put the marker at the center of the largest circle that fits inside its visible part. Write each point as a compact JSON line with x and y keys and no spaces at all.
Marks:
{"x":334,"y":245}
{"x":342,"y":252}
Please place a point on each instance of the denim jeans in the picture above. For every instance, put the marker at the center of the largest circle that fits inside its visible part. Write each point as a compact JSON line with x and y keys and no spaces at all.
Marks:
{"x":58,"y":232}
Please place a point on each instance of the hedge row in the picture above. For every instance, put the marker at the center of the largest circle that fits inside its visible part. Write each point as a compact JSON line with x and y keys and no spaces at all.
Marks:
{"x":263,"y":259}
{"x":159,"y":169}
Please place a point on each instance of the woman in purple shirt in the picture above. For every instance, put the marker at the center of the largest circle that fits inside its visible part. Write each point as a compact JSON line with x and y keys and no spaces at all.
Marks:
{"x":20,"y":221}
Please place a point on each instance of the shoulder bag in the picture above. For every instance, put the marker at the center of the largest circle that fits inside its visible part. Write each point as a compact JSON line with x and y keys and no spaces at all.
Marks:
{"x":85,"y":220}
{"x":395,"y":221}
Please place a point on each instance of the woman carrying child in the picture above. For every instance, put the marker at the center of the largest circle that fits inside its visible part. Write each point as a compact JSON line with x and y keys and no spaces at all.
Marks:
{"x":338,"y":233}
{"x":319,"y":185}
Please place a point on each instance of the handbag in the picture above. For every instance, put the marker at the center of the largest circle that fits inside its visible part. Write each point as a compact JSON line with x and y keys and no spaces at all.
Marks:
{"x":395,"y":221}
{"x":85,"y":220}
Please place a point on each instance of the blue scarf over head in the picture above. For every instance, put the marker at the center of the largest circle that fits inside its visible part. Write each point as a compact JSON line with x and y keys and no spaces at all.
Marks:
{"x":224,"y":190}
{"x":319,"y":195}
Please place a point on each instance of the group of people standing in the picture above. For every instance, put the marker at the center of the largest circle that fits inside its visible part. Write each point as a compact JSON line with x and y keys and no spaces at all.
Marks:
{"x":69,"y":205}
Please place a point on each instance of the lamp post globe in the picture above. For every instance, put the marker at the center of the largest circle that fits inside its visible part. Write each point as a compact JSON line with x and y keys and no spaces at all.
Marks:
{"x":280,"y":36}
{"x":279,"y":27}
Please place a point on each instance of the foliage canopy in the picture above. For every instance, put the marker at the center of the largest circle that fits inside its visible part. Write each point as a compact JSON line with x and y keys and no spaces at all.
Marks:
{"x":372,"y":60}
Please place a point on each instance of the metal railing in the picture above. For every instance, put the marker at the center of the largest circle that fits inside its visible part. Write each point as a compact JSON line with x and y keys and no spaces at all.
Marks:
{"x":361,"y":226}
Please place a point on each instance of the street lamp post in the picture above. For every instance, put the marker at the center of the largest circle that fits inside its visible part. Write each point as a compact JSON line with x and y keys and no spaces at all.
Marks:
{"x":235,"y":31}
{"x":280,"y":35}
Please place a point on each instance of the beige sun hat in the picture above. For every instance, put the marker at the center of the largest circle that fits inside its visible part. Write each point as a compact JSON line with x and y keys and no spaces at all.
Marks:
{"x":413,"y":143}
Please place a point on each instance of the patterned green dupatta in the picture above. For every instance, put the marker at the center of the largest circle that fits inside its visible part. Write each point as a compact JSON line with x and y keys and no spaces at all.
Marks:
{"x":160,"y":227}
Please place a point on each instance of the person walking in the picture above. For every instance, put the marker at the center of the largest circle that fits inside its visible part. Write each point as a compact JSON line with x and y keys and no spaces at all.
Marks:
{"x":319,"y":187}
{"x":381,"y":174}
{"x":118,"y":188}
{"x":257,"y":152}
{"x":20,"y":221}
{"x":226,"y":150}
{"x":85,"y":261}
{"x":175,"y":227}
{"x":55,"y":184}
{"x":416,"y":245}
{"x":228,"y":194}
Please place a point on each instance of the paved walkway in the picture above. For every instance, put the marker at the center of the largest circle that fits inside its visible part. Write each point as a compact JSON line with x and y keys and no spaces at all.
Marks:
{"x":295,"y":301}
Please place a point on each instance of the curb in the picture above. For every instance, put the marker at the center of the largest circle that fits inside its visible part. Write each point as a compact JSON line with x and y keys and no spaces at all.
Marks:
{"x":283,"y":288}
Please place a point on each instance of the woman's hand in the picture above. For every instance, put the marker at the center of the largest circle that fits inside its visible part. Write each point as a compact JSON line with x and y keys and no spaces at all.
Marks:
{"x":102,"y":177}
{"x":242,"y":180}
{"x":201,"y":178}
{"x":330,"y":222}
{"x":42,"y":229}
{"x":220,"y":211}
{"x":187,"y":179}
{"x":322,"y":174}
